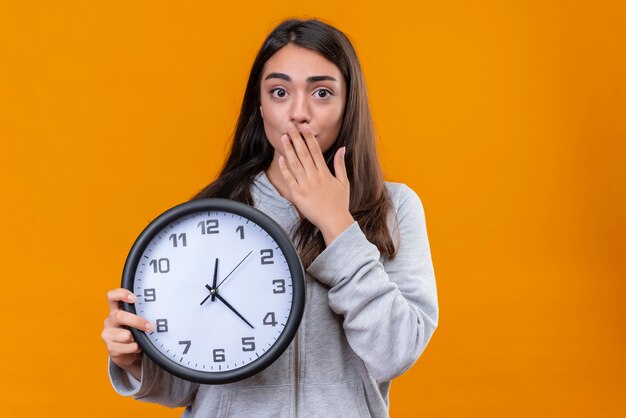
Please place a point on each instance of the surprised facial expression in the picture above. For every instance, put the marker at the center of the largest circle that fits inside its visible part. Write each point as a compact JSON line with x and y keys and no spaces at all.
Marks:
{"x":299,"y":85}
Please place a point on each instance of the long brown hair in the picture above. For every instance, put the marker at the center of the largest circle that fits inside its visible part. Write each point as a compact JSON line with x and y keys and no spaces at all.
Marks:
{"x":251,"y":151}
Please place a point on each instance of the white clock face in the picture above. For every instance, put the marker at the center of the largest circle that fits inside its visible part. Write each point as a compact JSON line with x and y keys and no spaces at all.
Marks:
{"x":217,"y":288}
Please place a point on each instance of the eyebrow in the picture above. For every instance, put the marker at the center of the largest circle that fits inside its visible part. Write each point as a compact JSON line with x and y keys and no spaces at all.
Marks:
{"x":312,"y":79}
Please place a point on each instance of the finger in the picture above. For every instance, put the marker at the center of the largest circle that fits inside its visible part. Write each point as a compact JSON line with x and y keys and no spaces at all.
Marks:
{"x":122,"y":318}
{"x":313,"y":146}
{"x":118,"y":335}
{"x":340,"y":166}
{"x":117,"y":349}
{"x":287,"y":176}
{"x":115,"y":296}
{"x":291,"y":159}
{"x":301,"y":148}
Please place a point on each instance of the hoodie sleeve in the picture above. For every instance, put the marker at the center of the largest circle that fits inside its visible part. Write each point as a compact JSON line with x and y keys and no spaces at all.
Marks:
{"x":390,"y":308}
{"x":156,"y":385}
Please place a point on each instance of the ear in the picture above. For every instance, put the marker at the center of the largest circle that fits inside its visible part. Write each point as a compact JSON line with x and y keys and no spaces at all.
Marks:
{"x":261,"y":109}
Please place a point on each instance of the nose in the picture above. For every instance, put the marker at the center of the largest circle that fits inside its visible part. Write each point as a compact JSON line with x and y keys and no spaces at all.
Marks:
{"x":300,"y":112}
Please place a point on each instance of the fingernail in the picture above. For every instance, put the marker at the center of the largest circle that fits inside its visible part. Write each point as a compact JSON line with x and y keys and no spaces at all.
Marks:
{"x":149,"y":327}
{"x":130,"y":298}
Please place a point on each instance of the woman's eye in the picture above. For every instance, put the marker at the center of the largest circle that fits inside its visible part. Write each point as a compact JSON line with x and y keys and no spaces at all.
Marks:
{"x":323,"y":93}
{"x":278,"y":92}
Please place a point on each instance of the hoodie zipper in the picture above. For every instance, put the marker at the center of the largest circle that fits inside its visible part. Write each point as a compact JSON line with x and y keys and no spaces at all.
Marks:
{"x":297,"y":337}
{"x":297,"y":370}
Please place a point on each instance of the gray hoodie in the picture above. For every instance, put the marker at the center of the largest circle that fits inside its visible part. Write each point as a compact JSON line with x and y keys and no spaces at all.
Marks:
{"x":367,"y":319}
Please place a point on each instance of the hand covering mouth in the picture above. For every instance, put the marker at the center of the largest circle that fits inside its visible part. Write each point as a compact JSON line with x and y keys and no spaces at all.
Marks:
{"x":302,"y":134}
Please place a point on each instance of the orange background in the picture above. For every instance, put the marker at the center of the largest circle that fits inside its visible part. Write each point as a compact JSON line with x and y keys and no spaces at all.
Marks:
{"x":507,"y":118}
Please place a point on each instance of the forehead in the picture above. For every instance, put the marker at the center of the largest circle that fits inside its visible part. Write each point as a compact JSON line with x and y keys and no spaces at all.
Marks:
{"x":300,"y":63}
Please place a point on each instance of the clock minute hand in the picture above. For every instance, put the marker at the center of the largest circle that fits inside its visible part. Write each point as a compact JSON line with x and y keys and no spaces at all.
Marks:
{"x":224,"y":279}
{"x":228,"y":305}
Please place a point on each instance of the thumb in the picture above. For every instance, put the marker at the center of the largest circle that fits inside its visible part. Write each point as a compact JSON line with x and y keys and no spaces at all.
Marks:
{"x":340,"y":166}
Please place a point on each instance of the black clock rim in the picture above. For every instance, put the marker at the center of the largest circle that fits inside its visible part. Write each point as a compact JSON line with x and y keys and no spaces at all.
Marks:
{"x":293,"y":261}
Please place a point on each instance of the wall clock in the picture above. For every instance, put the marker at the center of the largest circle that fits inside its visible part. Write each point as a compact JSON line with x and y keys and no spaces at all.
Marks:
{"x":223,"y":286}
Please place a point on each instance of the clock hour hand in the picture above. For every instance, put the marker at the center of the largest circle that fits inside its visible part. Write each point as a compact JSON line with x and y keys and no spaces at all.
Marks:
{"x":214,"y":280}
{"x":224,"y":279}
{"x":212,"y":295}
{"x":214,"y":292}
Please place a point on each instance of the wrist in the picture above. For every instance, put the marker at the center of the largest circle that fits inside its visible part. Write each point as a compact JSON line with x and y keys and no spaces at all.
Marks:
{"x":134,"y":368}
{"x":336,"y":227}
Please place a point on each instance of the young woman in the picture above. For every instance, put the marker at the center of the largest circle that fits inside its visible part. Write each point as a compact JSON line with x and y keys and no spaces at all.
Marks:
{"x":304,"y":153}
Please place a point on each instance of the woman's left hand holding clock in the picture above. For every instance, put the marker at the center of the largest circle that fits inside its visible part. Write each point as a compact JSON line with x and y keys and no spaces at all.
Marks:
{"x":123,"y":350}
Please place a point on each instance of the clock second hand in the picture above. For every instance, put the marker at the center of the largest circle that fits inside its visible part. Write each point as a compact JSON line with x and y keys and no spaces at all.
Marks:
{"x":214,"y":292}
{"x":228,"y":275}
